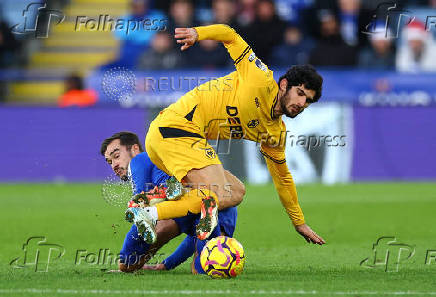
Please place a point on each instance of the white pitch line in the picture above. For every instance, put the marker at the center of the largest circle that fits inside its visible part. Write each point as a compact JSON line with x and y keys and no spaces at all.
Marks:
{"x":205,"y":292}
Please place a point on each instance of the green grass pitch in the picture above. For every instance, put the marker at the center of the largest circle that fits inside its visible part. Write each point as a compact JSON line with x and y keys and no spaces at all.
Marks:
{"x":279,"y":262}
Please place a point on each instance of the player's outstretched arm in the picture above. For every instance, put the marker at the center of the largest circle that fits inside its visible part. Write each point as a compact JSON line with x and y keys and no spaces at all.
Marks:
{"x":186,"y":37}
{"x":287,"y":191}
{"x":222,"y":33}
{"x":309,"y":234}
{"x":250,"y":68}
{"x":181,"y":254}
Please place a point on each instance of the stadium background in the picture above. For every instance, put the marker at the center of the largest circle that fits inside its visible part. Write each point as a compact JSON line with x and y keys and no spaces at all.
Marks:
{"x":379,"y":184}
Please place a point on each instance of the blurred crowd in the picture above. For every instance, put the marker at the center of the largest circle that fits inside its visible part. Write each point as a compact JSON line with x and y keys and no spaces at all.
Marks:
{"x":327,"y":33}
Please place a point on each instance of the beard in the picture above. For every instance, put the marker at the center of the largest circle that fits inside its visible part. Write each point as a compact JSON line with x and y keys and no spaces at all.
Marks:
{"x":285,"y":110}
{"x":124,"y":178}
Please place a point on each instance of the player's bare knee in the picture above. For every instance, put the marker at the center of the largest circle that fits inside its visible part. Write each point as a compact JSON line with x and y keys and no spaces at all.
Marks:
{"x":234,"y":188}
{"x":239,"y":195}
{"x":233,"y":198}
{"x":226,"y":202}
{"x":238,"y":192}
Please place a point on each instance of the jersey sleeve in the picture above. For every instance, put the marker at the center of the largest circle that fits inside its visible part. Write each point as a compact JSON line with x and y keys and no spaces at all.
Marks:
{"x":138,"y":175}
{"x":283,"y":181}
{"x":249,"y":67}
{"x":158,"y":176}
{"x":181,"y":254}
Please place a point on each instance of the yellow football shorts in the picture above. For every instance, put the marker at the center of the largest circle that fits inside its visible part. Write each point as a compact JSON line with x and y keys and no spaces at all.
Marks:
{"x":177,"y":145}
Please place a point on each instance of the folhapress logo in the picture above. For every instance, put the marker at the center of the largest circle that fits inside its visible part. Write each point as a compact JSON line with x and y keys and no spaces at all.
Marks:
{"x":37,"y":20}
{"x":37,"y":253}
{"x":389,"y":254}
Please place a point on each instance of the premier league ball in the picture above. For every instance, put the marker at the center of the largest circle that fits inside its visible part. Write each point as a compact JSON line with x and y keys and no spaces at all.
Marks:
{"x":222,"y":257}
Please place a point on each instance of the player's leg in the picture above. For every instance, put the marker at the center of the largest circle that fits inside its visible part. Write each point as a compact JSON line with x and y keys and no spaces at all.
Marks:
{"x":226,"y":227}
{"x":228,"y":188}
{"x":185,"y":154}
{"x":135,"y":252}
{"x":199,"y":245}
{"x":212,"y":183}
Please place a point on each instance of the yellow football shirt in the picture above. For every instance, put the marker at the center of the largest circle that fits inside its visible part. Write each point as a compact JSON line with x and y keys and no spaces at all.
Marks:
{"x":240,"y":106}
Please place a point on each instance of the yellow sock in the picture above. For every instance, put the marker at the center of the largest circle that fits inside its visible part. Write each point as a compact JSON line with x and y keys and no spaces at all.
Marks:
{"x":189,"y":202}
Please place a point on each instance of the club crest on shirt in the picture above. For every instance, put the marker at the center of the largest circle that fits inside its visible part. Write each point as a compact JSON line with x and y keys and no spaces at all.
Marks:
{"x":253,"y":123}
{"x":210,"y":153}
{"x":251,"y":57}
{"x":260,"y":65}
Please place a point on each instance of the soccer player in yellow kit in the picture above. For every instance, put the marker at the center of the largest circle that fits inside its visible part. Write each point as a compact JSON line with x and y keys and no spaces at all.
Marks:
{"x":246,"y":104}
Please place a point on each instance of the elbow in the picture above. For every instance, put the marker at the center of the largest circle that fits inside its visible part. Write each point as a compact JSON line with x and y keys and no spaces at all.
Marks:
{"x":125,"y":268}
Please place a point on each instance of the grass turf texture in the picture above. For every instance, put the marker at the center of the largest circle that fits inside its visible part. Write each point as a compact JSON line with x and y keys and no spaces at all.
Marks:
{"x":279,"y":262}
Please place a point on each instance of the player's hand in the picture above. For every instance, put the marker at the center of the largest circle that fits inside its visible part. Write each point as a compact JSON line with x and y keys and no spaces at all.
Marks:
{"x":186,"y":36}
{"x":155,"y":267}
{"x":309,"y":234}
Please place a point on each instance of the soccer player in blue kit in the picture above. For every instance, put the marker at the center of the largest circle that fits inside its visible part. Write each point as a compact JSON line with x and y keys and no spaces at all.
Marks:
{"x":124,"y":153}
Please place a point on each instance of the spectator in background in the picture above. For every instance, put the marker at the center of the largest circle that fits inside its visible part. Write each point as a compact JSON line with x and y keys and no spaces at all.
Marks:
{"x":331,"y":50}
{"x":266,"y":31}
{"x":349,"y":20}
{"x":75,"y":95}
{"x":161,"y":55}
{"x":294,"y":51}
{"x":291,"y":10}
{"x":247,"y":13}
{"x":224,"y":12}
{"x":208,"y":54}
{"x":181,"y":15}
{"x":352,"y":16}
{"x":135,"y":42}
{"x":380,"y":54}
{"x":8,"y":46}
{"x":418,"y":52}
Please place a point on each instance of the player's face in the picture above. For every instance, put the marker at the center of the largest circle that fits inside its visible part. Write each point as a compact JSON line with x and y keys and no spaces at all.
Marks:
{"x":118,"y":157}
{"x":295,"y":100}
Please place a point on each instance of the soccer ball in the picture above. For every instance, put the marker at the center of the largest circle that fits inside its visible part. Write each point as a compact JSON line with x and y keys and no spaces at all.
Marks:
{"x":222,"y":257}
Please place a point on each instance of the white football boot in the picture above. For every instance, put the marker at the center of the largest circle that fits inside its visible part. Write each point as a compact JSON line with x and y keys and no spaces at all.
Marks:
{"x":144,"y":222}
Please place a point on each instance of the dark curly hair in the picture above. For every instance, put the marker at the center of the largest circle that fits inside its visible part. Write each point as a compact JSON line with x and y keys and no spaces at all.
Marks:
{"x":306,"y":75}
